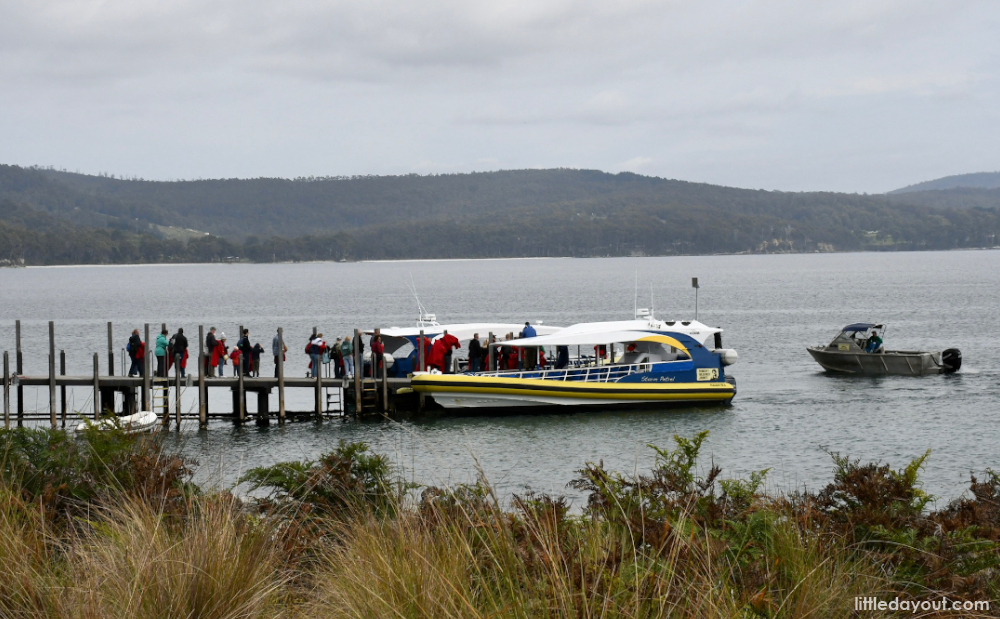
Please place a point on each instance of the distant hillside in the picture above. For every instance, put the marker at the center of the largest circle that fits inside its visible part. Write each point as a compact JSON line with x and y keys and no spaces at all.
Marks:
{"x":956,"y":198}
{"x":978,"y":180}
{"x":496,"y":214}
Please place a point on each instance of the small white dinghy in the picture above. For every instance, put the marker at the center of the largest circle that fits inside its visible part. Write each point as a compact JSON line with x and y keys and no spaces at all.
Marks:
{"x":143,"y":421}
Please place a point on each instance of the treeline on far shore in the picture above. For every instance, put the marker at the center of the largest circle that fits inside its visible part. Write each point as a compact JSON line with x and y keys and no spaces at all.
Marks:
{"x":32,"y":237}
{"x":107,"y":525}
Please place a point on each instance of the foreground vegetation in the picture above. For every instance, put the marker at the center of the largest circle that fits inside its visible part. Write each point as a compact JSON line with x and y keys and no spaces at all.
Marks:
{"x":108,"y":526}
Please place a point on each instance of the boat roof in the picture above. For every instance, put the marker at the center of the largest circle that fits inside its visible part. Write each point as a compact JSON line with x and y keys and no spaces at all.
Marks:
{"x":589,"y":333}
{"x":464,"y":331}
{"x":860,"y":326}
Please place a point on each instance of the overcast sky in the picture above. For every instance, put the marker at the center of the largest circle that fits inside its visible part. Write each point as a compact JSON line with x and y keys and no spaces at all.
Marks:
{"x":862,"y":96}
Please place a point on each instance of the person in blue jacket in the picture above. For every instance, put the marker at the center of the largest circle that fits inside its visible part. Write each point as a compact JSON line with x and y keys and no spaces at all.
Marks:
{"x":530,"y":352}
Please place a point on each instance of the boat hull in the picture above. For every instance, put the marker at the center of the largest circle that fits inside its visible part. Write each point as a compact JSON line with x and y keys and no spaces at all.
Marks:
{"x":459,"y":391}
{"x":888,"y":363}
{"x":143,"y":421}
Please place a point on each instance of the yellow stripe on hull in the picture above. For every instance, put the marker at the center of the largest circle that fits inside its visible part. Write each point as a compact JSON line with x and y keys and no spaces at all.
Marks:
{"x":572,"y":390}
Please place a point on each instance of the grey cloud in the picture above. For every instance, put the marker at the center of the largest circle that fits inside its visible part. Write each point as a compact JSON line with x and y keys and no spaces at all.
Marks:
{"x":732,"y":91}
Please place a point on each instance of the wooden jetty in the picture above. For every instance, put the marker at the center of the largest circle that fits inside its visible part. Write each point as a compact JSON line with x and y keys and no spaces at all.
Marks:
{"x":333,"y":396}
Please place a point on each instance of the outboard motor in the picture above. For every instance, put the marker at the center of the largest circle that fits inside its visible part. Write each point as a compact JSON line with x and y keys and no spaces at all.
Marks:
{"x":951,"y":359}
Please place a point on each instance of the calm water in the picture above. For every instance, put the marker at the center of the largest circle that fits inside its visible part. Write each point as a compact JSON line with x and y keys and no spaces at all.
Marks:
{"x":785,"y":417}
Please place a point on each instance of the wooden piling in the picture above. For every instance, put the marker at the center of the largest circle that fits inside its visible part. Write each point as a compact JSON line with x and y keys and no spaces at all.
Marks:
{"x":359,"y":370}
{"x":242,"y":412}
{"x":52,"y":373}
{"x":6,"y":389}
{"x":146,"y":369}
{"x":165,"y":390}
{"x":202,"y":394}
{"x":319,"y":386}
{"x":62,"y":390}
{"x":97,"y":388}
{"x":385,"y":384}
{"x":177,"y":392}
{"x":420,"y":353}
{"x":111,"y":351}
{"x":281,"y":376}
{"x":19,"y":363}
{"x":421,"y":364}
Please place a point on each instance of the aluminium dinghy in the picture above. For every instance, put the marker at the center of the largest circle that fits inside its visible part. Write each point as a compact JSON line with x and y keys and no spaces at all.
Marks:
{"x":858,"y":350}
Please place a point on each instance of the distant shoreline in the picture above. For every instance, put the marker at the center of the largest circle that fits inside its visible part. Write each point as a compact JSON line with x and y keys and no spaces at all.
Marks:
{"x":405,"y":260}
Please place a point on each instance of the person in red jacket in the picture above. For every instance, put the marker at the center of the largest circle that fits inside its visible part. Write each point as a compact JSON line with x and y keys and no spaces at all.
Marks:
{"x":220,"y":355}
{"x":450,"y":343}
{"x":234,"y":356}
{"x":435,"y":358}
{"x":378,"y":359}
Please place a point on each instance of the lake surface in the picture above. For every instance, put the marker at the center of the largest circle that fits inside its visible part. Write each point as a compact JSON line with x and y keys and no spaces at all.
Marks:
{"x":786,"y":416}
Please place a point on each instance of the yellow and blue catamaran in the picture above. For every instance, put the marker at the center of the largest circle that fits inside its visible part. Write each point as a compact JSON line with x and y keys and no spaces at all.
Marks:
{"x":660,"y":362}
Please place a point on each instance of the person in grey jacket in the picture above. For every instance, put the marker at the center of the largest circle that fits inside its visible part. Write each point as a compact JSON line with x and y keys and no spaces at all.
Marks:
{"x":276,"y":343}
{"x":347,"y":351}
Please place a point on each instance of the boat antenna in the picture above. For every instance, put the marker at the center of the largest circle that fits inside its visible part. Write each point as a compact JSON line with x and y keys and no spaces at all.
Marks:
{"x":694,"y":284}
{"x":652,"y":303}
{"x":635,"y":302}
{"x":422,"y":315}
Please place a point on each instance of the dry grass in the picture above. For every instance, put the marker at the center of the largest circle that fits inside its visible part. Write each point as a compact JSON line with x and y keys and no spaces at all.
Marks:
{"x":664,"y":545}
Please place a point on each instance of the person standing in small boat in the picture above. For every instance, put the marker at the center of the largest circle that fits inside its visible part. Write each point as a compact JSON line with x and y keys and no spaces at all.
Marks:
{"x":435,"y":359}
{"x":160,"y":352}
{"x":450,"y":343}
{"x":475,"y":354}
{"x":873,"y":343}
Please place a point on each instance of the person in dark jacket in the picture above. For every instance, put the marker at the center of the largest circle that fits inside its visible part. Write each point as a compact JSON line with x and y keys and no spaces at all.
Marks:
{"x":179,"y":349}
{"x":246,"y":352}
{"x":562,"y":357}
{"x":475,"y":354}
{"x":210,"y":342}
{"x":256,"y":352}
{"x":137,"y":353}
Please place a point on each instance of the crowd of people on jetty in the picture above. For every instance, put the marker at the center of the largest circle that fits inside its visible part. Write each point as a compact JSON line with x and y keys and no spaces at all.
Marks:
{"x":245,"y":356}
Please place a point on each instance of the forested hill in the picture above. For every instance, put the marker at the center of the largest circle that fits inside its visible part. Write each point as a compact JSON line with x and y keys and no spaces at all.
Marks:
{"x":977,"y":180}
{"x":494,"y":214}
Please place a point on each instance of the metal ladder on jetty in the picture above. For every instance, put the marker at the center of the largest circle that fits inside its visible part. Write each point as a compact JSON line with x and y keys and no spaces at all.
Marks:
{"x":334,"y":402}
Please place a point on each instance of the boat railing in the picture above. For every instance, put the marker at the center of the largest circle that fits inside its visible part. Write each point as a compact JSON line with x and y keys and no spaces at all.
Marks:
{"x":587,"y":374}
